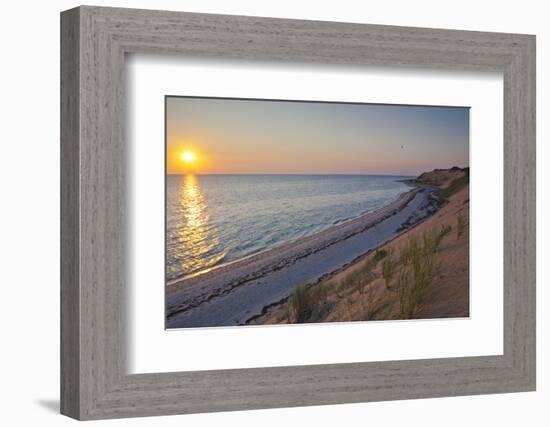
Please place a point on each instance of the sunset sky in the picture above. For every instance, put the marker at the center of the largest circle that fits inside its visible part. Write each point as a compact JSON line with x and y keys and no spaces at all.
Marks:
{"x":230,"y":136}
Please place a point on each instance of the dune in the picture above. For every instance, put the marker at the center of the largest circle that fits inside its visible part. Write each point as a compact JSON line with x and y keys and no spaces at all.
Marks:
{"x":361,"y":291}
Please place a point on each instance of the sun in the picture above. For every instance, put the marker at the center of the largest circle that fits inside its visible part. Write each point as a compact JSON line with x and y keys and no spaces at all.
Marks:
{"x":188,"y":156}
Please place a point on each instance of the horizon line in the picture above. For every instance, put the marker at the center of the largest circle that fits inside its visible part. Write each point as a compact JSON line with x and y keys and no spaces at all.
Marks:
{"x":287,"y":173}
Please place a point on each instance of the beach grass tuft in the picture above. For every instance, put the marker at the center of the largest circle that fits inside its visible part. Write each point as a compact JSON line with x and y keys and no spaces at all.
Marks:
{"x":414,"y":269}
{"x":300,"y":304}
{"x":446,"y":230}
{"x":460,"y":225}
{"x":380,"y":254}
{"x":419,"y":267}
{"x":304,"y":301}
{"x":388,"y":271}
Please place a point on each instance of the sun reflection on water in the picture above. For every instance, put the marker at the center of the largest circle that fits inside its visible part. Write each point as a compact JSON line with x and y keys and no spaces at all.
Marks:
{"x":198,"y":238}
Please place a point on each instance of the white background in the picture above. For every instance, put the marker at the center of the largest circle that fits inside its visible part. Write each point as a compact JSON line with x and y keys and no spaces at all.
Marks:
{"x":152,"y":349}
{"x":29,"y":214}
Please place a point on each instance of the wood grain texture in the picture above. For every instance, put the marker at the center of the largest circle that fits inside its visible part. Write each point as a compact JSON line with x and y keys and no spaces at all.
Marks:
{"x":94,"y":198}
{"x":70,"y":313}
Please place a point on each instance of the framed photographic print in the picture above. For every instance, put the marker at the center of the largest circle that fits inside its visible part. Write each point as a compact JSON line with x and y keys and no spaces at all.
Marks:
{"x":299,"y":211}
{"x":262,"y":213}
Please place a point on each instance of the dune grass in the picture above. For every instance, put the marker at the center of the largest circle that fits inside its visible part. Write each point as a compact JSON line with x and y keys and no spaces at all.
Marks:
{"x":455,"y":186}
{"x":300,"y":304}
{"x":460,"y":225}
{"x":388,"y":271}
{"x":407,"y":273}
{"x":305,"y":301}
{"x":418,"y":267}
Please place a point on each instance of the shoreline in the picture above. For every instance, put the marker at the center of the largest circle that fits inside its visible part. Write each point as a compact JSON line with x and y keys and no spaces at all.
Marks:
{"x":247,"y":286}
{"x":326,"y":277}
{"x":383,"y":284}
{"x":294,"y":241}
{"x":286,"y":245}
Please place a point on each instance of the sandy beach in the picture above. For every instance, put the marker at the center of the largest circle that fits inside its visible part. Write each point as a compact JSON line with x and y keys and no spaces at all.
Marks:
{"x":251,"y":289}
{"x":368,"y":290}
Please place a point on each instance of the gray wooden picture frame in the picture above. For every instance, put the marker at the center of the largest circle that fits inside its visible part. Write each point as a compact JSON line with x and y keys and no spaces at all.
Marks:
{"x":94,"y":41}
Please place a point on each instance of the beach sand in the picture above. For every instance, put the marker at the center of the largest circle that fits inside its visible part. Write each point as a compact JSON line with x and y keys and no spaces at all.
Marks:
{"x":250,"y":289}
{"x":360,"y":291}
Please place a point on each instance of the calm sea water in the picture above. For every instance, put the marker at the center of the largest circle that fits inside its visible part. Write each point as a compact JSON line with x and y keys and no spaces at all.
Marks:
{"x":213,"y":219}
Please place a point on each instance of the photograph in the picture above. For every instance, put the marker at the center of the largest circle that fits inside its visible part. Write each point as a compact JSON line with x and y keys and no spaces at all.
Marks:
{"x":272,"y":209}
{"x":299,"y":212}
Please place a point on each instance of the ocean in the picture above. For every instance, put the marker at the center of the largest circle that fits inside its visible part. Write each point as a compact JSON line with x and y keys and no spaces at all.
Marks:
{"x":215,"y":219}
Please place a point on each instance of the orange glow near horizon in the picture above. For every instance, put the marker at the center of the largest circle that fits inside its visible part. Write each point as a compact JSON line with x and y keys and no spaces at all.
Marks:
{"x":183,"y":158}
{"x":227,"y":136}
